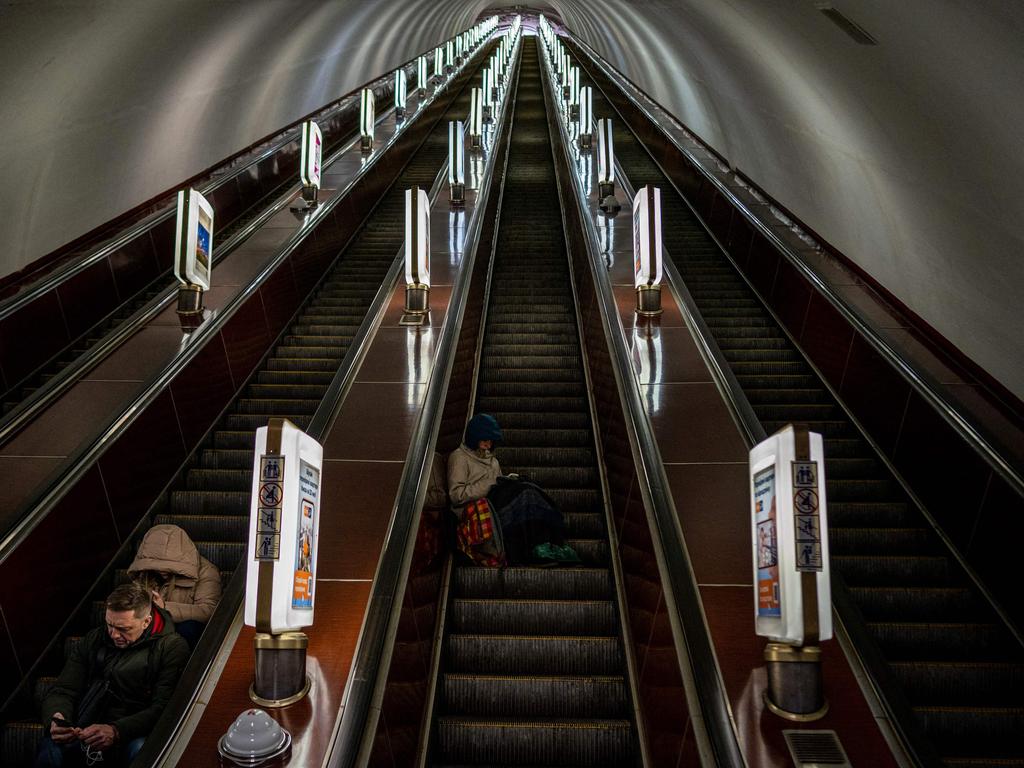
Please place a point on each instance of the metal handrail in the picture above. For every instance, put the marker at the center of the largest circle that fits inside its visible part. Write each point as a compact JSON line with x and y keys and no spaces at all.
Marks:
{"x":710,"y":712}
{"x":218,"y":177}
{"x":369,"y":668}
{"x":971,"y":434}
{"x":33,"y":512}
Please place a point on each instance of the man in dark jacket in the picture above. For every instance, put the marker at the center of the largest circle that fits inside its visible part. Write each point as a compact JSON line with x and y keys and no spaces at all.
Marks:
{"x":114,"y":685}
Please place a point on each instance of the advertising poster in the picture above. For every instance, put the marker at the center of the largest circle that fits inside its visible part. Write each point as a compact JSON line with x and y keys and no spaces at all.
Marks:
{"x":305,"y":542}
{"x":768,"y":601}
{"x":203,"y":242}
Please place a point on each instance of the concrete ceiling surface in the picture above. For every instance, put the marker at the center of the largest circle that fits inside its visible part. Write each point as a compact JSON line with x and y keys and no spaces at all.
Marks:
{"x":903,"y":155}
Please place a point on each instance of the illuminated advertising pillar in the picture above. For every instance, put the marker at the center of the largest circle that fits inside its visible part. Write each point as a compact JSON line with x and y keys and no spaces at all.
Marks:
{"x":792,"y":586}
{"x":476,"y":120}
{"x":366,"y":120}
{"x":486,"y":93}
{"x":439,"y":63}
{"x":417,"y":256}
{"x":456,"y":163}
{"x":312,"y":156}
{"x":647,"y":250}
{"x":193,"y":255}
{"x":422,"y":75}
{"x":284,"y":525}
{"x":586,"y":117}
{"x":401,"y":93}
{"x":449,"y":57}
{"x":606,"y":168}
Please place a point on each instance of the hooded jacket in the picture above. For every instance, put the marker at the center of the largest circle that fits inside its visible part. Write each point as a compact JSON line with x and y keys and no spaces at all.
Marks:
{"x":470,"y":475}
{"x":192,"y":591}
{"x":142,"y":677}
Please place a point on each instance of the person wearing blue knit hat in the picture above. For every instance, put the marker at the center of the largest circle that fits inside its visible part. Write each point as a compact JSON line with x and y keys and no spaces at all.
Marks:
{"x":472,"y":467}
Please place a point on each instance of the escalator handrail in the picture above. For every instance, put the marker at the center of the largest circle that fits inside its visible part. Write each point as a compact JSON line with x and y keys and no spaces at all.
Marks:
{"x":971,"y":434}
{"x":369,"y":667}
{"x":34,"y":511}
{"x":712,"y":722}
{"x":219,"y":176}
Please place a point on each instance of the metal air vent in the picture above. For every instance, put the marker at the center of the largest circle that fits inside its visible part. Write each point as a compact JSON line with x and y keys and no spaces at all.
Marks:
{"x":816,"y":749}
{"x":850,"y":27}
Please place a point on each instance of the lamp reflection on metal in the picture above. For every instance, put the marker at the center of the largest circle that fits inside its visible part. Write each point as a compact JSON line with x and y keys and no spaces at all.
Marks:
{"x":647,"y":250}
{"x":401,"y":93}
{"x":486,"y":92}
{"x":456,"y":235}
{"x":449,"y":57}
{"x":586,"y":116}
{"x":456,"y":164}
{"x":422,"y":75}
{"x":606,"y":168}
{"x":417,"y":257}
{"x":476,"y":120}
{"x":418,"y":347}
{"x":649,"y":358}
{"x":606,"y":233}
{"x":366,"y":120}
{"x":439,"y":63}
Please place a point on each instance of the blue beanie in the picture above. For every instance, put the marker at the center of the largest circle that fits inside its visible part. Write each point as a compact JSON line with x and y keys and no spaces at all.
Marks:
{"x":483,"y":426}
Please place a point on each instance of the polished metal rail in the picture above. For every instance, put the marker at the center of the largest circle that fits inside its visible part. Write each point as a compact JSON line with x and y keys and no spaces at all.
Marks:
{"x":971,"y":434}
{"x":712,"y":720}
{"x":353,"y":736}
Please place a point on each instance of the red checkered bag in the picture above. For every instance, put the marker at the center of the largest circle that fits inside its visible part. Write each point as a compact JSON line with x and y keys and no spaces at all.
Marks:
{"x":479,"y":535}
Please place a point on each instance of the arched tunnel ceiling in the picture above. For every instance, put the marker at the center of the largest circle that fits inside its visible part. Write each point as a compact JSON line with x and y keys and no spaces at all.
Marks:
{"x":904,"y":155}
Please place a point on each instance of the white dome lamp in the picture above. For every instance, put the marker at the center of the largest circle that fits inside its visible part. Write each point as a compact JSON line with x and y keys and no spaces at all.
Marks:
{"x":253,"y":739}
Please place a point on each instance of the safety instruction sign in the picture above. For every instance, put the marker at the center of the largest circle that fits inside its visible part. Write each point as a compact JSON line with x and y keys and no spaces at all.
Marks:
{"x":765,"y":518}
{"x":806,"y":520}
{"x":271,"y":494}
{"x":305,"y":549}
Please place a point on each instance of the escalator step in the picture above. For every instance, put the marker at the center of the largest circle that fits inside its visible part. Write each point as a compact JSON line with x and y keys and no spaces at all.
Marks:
{"x":924,"y":603}
{"x":535,"y":617}
{"x":563,"y":742}
{"x":519,"y":696}
{"x":534,"y":654}
{"x":906,"y":641}
{"x":899,"y":571}
{"x":518,"y":583}
{"x":966,"y":683}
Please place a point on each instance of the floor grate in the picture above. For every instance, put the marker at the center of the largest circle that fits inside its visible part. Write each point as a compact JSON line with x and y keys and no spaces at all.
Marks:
{"x":816,"y":749}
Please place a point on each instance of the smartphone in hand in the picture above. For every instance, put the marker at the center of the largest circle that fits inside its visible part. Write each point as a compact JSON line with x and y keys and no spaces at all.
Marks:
{"x":60,"y":722}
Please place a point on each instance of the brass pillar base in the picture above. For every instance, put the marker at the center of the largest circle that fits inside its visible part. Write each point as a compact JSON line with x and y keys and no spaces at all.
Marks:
{"x":586,"y":140}
{"x":457,"y":195}
{"x":280,"y":677}
{"x":417,"y":305}
{"x":366,"y":144}
{"x":190,"y":300}
{"x":795,"y":690}
{"x":648,"y":300}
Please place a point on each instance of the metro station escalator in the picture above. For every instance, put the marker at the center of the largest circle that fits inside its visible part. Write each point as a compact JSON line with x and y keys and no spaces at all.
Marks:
{"x":533,"y":670}
{"x":210,"y":497}
{"x":960,"y":668}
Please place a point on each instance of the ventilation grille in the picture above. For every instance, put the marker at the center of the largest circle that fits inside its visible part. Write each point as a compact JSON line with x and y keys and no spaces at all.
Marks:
{"x":850,"y":27}
{"x":816,"y":749}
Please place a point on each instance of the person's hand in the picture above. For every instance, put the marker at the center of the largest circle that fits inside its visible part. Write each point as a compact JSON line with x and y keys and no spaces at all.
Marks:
{"x":158,"y":601}
{"x":100,"y":735}
{"x":512,"y":476}
{"x":61,"y":735}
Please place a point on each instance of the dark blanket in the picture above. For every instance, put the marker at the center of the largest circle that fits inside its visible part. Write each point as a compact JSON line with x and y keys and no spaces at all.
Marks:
{"x":528,"y":517}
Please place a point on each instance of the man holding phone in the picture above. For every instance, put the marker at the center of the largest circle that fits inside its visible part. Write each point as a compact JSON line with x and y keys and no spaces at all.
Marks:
{"x":114,"y":685}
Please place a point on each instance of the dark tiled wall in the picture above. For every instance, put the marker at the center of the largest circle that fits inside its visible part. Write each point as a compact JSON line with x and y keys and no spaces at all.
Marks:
{"x":979,"y":510}
{"x":53,"y":569}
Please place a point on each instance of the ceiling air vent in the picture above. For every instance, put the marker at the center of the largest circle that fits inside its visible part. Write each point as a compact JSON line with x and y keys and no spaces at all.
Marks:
{"x":850,"y":27}
{"x":816,"y":749}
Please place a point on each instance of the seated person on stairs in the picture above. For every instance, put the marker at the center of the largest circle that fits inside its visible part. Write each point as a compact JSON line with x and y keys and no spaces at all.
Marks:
{"x":472,"y":467}
{"x":114,"y":685}
{"x":183,"y":582}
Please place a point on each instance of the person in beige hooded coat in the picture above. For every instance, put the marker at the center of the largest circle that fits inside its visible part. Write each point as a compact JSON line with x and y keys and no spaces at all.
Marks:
{"x":183,"y":582}
{"x":472,"y":467}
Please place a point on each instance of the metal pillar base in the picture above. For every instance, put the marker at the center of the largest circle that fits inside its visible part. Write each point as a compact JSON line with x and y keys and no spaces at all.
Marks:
{"x":565,"y":93}
{"x":280,"y":669}
{"x":448,"y":68}
{"x":417,"y":305}
{"x":648,"y":300}
{"x":795,"y":689}
{"x":475,"y":142}
{"x":488,"y":115}
{"x":399,"y":112}
{"x":366,"y":144}
{"x":574,"y":111}
{"x":586,"y":140}
{"x":457,"y":195}
{"x":190,"y":300}
{"x":495,"y":96}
